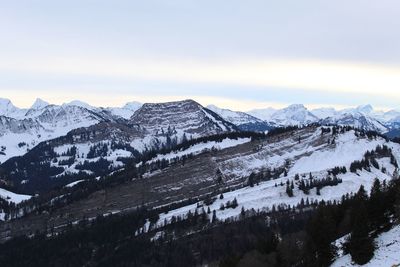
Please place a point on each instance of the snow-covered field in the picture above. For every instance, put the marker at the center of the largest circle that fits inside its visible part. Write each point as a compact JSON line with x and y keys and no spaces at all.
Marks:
{"x":386,"y":254}
{"x":265,"y":195}
{"x":82,"y":151}
{"x":12,"y":197}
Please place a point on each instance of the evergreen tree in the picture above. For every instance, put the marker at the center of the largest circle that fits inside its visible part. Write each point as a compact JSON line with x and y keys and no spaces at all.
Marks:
{"x":289,"y":190}
{"x":251,"y":179}
{"x":376,"y":207}
{"x":361,"y":245}
{"x":214,"y":217}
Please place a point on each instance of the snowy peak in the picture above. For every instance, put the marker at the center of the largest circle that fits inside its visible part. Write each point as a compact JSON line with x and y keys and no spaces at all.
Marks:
{"x":126,"y":111}
{"x":242,"y":120}
{"x":39,"y":104}
{"x":365,"y":109}
{"x":133,"y":106}
{"x":323,"y":113}
{"x":79,"y":103}
{"x":235,"y":117}
{"x":295,"y":107}
{"x":296,"y":114}
{"x":5,"y":104}
{"x":8,"y":109}
{"x":262,"y":114}
{"x":357,"y":120}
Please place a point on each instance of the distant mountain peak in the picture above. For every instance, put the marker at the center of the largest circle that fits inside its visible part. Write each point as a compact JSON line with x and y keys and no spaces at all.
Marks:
{"x":5,"y":101}
{"x":6,"y":105}
{"x":186,"y":116}
{"x":39,"y":104}
{"x":79,"y":103}
{"x":366,"y":109}
{"x":133,"y":105}
{"x":295,"y":107}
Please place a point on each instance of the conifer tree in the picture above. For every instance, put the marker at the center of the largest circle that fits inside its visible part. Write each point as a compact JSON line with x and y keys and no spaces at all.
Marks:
{"x":361,"y":245}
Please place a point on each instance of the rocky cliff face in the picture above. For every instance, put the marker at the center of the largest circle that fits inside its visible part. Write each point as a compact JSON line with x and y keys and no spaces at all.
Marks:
{"x":178,"y":118}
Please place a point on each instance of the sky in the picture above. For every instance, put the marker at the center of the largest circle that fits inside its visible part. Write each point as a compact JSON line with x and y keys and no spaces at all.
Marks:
{"x":234,"y":54}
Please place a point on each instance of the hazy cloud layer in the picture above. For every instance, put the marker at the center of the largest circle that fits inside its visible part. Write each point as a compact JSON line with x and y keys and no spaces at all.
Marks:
{"x":249,"y":52}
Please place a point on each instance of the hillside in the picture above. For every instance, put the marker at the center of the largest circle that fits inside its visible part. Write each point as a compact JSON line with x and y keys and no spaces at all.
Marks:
{"x":270,"y":164}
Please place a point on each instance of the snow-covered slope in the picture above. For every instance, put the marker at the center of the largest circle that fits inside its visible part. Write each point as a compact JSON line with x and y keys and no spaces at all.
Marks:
{"x":263,"y":114}
{"x":17,"y":136}
{"x":235,"y":117}
{"x":314,"y":154}
{"x":323,"y":113}
{"x":387,"y":252}
{"x":12,"y":197}
{"x":242,"y":120}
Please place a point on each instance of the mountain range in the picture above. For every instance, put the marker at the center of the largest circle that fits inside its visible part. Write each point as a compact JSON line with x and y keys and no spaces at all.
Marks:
{"x":23,"y":129}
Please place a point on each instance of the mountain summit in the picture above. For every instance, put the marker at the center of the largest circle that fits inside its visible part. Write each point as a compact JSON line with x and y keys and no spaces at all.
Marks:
{"x":39,"y":104}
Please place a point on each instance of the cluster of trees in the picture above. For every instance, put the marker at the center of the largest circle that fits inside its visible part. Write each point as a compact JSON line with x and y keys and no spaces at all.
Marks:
{"x":100,"y":167}
{"x":71,"y":152}
{"x":97,"y":150}
{"x":337,"y":170}
{"x":229,"y":204}
{"x":307,"y":185}
{"x":266,"y":174}
{"x":370,"y":158}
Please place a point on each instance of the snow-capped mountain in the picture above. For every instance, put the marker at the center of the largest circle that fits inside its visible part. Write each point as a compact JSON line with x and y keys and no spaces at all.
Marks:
{"x":79,"y":103}
{"x":357,"y":120}
{"x":9,"y":110}
{"x":17,"y":136}
{"x":365,"y":109}
{"x":39,"y":104}
{"x":295,"y":114}
{"x":235,"y":117}
{"x":126,"y":111}
{"x":181,"y":117}
{"x":23,"y":129}
{"x":262,"y":114}
{"x":323,"y":113}
{"x":363,"y":117}
{"x":242,"y":120}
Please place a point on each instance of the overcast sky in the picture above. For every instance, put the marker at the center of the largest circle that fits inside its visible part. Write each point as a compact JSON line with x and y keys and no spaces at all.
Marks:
{"x":234,"y":54}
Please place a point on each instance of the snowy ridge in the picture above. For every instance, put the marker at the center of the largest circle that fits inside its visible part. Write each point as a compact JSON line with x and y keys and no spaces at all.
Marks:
{"x":262,"y":114}
{"x":314,"y":154}
{"x":234,"y":117}
{"x":363,"y":117}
